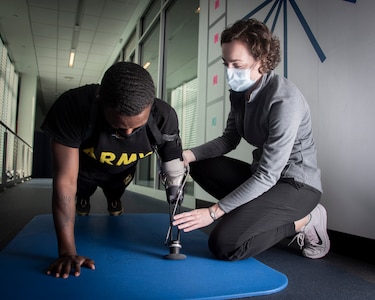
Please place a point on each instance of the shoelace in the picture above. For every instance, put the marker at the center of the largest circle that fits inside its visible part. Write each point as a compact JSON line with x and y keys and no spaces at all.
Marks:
{"x":300,"y":238}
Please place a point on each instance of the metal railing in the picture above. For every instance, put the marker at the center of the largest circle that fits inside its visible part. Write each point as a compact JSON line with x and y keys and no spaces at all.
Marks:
{"x":16,"y":158}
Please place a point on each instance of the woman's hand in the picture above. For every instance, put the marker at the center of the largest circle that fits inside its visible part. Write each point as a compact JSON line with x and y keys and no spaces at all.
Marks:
{"x":197,"y":218}
{"x":188,"y":157}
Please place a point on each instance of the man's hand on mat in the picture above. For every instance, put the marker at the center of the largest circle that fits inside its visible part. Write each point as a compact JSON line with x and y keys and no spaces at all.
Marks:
{"x":65,"y":265}
{"x":197,"y":218}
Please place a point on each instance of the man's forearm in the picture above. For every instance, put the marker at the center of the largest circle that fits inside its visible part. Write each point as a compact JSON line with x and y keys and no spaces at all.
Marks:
{"x":63,"y":209}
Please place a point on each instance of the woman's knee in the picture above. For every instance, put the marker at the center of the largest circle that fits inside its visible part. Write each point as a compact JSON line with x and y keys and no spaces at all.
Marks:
{"x":217,"y":247}
{"x":224,"y":249}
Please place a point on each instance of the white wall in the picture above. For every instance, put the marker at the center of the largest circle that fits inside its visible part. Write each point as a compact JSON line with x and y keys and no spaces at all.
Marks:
{"x":339,"y":91}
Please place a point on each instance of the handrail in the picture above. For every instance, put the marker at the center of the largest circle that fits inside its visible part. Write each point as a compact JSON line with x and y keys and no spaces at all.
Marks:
{"x":16,"y":159}
{"x":8,"y":129}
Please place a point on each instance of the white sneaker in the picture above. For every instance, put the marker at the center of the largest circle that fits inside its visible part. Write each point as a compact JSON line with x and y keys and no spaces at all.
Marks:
{"x":313,"y":237}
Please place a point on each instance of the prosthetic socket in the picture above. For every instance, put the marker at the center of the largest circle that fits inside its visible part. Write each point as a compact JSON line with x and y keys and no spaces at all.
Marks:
{"x":173,"y":178}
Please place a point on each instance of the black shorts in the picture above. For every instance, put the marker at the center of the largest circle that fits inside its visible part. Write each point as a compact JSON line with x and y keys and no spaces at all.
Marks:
{"x":113,"y":185}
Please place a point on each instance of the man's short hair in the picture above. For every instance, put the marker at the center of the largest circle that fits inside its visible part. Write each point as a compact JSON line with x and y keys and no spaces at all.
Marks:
{"x":127,"y":88}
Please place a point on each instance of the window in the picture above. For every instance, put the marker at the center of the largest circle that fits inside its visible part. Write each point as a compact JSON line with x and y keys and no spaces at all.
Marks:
{"x":129,"y":49}
{"x":180,"y":82}
{"x":8,"y":113}
{"x":146,"y":169}
{"x":150,"y":15}
{"x":176,"y":82}
{"x":184,"y":101}
{"x":150,"y":53}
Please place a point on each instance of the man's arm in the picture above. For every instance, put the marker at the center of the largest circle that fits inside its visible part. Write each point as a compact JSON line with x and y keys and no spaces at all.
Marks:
{"x":65,"y":165}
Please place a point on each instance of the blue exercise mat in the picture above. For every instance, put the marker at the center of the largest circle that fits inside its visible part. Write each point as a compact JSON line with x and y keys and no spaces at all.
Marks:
{"x":129,"y":255}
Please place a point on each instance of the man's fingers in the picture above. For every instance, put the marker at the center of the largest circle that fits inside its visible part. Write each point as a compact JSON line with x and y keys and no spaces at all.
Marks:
{"x":89,"y":263}
{"x":64,"y":266}
{"x":77,"y":269}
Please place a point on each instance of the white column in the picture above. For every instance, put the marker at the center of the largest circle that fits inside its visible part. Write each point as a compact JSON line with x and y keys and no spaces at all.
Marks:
{"x":26,"y":108}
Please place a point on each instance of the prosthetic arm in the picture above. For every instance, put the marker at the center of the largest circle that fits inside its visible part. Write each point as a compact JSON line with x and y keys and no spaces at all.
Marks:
{"x":174,"y":175}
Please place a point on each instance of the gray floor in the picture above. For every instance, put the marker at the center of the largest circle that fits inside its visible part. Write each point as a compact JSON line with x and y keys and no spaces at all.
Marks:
{"x":334,"y":277}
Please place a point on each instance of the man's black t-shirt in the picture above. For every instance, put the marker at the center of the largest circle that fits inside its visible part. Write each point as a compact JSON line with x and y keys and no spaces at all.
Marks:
{"x":76,"y":120}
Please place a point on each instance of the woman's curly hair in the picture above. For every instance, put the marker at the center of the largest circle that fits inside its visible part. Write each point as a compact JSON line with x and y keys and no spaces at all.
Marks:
{"x":127,"y":88}
{"x":261,"y":42}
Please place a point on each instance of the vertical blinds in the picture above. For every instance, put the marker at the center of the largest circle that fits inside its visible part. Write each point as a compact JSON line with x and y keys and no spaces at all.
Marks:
{"x":8,"y":105}
{"x":184,"y":101}
{"x":8,"y":89}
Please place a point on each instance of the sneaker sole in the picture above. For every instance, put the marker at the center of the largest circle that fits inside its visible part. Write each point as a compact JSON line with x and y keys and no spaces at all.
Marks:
{"x":324,"y":237}
{"x":115,"y":213}
{"x":82,"y":214}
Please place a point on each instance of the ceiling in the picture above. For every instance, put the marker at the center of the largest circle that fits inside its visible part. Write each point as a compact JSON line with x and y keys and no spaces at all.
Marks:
{"x":39,"y":35}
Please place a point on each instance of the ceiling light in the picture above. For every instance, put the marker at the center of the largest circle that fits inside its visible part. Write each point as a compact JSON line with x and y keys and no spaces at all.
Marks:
{"x":146,"y":65}
{"x":71,"y":58}
{"x":76,"y":31}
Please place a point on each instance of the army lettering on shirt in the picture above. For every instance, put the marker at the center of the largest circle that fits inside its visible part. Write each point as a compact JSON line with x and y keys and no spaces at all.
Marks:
{"x":114,"y":154}
{"x":111,"y":159}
